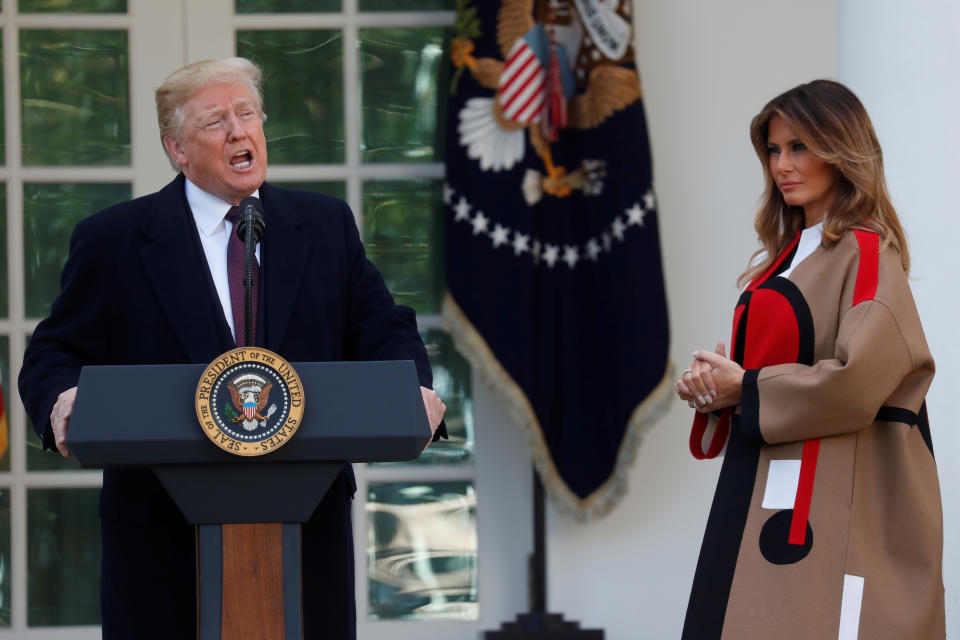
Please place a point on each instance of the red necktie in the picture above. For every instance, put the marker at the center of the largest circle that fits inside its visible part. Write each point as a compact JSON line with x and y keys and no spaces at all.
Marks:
{"x":235,"y":278}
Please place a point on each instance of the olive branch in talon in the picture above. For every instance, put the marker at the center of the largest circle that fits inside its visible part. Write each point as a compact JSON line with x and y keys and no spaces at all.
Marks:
{"x":466,"y":26}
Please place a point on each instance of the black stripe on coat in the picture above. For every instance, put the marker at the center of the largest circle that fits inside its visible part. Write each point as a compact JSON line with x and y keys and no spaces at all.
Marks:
{"x":721,"y":540}
{"x":909,"y":418}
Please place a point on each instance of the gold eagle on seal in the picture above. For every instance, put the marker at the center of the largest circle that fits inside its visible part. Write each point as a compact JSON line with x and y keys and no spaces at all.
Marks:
{"x":249,"y":395}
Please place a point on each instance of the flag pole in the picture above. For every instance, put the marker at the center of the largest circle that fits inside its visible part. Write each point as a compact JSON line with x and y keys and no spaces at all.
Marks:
{"x":537,"y":624}
{"x":538,"y":586}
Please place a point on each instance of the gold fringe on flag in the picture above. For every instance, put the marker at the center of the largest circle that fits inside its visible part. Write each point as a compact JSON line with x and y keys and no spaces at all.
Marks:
{"x":599,"y":503}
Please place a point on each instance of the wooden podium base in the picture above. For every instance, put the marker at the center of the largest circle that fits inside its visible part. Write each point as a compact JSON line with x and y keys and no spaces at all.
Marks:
{"x":249,"y":582}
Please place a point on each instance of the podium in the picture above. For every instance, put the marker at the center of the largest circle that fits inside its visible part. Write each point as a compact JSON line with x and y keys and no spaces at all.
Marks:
{"x":248,"y":546}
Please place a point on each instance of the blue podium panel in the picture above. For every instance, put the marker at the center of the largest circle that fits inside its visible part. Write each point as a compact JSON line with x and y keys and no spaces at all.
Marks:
{"x":145,"y":416}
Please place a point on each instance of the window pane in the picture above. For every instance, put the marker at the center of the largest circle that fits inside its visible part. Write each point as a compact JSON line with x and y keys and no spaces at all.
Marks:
{"x":63,"y":557}
{"x":74,"y":92}
{"x":422,"y":558}
{"x":337,"y":189}
{"x":287,"y":6}
{"x":4,"y":290}
{"x":402,"y":235}
{"x":451,"y":380}
{"x":401,"y":69}
{"x":50,"y":211}
{"x":407,"y":5}
{"x":303,"y":93}
{"x":3,"y":137}
{"x":5,"y":559}
{"x":73,"y":6}
{"x":5,"y":389}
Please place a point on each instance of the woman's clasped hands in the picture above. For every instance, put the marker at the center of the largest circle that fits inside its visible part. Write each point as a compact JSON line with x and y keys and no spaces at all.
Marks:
{"x":711,"y":382}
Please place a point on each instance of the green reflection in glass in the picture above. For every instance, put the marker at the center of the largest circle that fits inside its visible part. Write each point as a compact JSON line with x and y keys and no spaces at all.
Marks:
{"x":303,"y":93}
{"x":406,"y":5}
{"x":451,"y":380}
{"x":401,"y":228}
{"x":63,"y":557}
{"x":72,"y":6}
{"x":50,"y":211}
{"x":74,"y":97}
{"x":4,"y":290}
{"x":287,"y":6}
{"x":422,"y":558}
{"x":401,"y":73}
{"x":5,"y":559}
{"x":335,"y":188}
{"x":5,"y":389}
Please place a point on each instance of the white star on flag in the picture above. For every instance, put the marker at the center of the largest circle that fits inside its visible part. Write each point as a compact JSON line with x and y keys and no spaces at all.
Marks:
{"x":649,"y":202}
{"x":500,"y":235}
{"x":447,"y":193}
{"x":520,"y":243}
{"x":618,"y":228}
{"x":593,"y":249}
{"x":550,"y":254}
{"x":635,"y":215}
{"x":463,"y":210}
{"x":570,"y":255}
{"x":480,"y":223}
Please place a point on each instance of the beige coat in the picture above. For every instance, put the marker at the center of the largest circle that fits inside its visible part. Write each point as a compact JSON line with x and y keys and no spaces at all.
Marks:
{"x":832,"y":425}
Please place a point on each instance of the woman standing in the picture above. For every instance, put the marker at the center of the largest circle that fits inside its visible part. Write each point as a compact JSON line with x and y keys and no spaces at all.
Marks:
{"x":826,"y":521}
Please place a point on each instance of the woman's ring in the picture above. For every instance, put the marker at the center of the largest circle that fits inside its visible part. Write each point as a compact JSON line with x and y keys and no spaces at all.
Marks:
{"x":686,"y":371}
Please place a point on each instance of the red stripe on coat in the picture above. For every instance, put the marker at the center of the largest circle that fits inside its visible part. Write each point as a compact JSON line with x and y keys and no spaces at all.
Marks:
{"x":869,"y":268}
{"x":719,"y":438}
{"x":801,"y":506}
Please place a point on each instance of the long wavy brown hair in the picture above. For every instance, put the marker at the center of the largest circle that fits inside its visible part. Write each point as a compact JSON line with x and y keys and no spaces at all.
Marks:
{"x":833,"y":124}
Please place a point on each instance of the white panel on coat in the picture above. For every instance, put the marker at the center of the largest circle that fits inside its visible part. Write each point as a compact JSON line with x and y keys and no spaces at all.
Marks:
{"x":850,"y":607}
{"x":782,"y":481}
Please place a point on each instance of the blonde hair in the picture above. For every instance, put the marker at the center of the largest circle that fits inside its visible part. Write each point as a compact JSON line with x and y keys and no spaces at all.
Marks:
{"x":186,"y":81}
{"x":833,"y":124}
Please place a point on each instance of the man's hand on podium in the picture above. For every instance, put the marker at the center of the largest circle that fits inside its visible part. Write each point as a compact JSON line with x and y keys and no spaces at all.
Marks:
{"x":60,"y":419}
{"x":435,"y":409}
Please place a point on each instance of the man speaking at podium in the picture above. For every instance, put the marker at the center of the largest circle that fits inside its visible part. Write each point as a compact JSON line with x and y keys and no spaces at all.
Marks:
{"x":153,"y":281}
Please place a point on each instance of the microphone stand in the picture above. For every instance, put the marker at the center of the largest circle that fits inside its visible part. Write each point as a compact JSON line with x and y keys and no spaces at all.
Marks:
{"x":248,"y":258}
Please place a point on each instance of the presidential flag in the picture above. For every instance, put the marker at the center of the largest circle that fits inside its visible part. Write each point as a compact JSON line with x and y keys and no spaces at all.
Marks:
{"x":555,"y":287}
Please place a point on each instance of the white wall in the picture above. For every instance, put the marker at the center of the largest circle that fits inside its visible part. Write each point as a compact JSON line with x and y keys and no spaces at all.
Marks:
{"x":706,"y":68}
{"x":901,"y":59}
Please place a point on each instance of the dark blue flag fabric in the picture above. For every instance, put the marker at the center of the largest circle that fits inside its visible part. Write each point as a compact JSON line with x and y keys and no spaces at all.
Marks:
{"x":555,"y":287}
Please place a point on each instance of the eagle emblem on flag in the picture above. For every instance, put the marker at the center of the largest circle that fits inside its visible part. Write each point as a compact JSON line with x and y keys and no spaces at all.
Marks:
{"x":545,"y":62}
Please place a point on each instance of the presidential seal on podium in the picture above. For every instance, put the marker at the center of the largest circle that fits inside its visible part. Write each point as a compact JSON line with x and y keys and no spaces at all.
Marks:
{"x":249,"y":401}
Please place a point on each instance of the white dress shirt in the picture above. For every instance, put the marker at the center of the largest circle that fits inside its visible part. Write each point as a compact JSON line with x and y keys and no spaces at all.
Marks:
{"x":210,"y":212}
{"x":809,"y":242}
{"x":810,"y":239}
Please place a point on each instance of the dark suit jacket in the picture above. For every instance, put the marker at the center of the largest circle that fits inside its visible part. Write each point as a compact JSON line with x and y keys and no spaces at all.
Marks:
{"x":136,"y":289}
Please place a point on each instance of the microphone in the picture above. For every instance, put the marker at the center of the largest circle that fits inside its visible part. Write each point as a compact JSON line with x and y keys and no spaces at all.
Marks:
{"x":251,"y":213}
{"x":250,"y":227}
